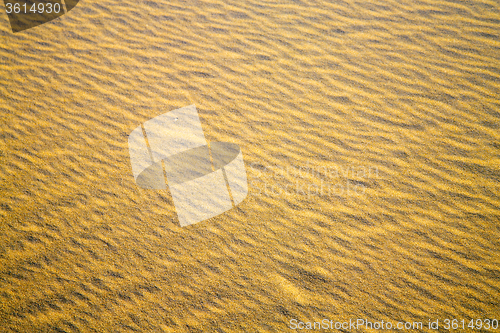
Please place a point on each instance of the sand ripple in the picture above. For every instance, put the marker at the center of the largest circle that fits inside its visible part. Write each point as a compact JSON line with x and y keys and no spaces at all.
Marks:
{"x":401,"y":97}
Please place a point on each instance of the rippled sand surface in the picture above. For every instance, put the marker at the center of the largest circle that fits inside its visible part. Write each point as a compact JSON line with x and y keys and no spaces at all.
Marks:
{"x":371,"y":134}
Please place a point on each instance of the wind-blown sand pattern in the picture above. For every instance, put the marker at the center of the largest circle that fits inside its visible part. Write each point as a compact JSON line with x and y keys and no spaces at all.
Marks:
{"x":403,"y":97}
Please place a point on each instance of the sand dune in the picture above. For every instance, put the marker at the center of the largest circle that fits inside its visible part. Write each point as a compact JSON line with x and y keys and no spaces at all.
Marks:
{"x":399,"y":101}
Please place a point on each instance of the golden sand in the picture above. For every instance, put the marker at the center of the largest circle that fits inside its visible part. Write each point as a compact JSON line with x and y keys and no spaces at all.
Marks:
{"x":399,"y":98}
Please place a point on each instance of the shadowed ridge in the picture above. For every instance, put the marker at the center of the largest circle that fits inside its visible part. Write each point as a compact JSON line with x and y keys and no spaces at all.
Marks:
{"x":70,"y":4}
{"x":26,"y":19}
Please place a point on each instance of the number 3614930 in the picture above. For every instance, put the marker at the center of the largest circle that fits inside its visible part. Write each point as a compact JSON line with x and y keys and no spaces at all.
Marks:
{"x":39,"y":8}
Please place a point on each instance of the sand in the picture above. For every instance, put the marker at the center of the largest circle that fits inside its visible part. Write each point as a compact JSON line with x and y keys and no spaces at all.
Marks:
{"x":370,"y":133}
